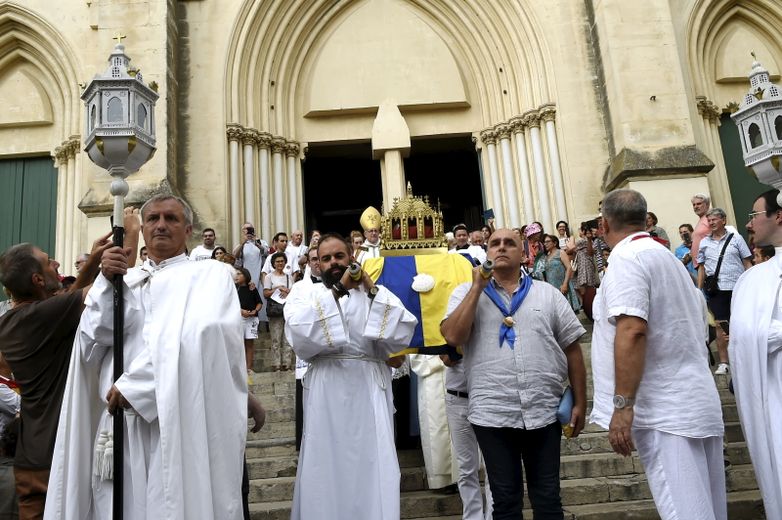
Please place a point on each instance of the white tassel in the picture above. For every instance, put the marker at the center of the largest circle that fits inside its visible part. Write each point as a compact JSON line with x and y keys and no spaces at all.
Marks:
{"x":100,"y":450}
{"x":107,"y":468}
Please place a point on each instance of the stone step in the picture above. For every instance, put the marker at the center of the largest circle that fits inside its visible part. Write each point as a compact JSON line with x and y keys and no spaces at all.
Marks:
{"x":282,"y":447}
{"x":274,"y":430}
{"x":272,"y":467}
{"x":575,"y":491}
{"x":742,"y":505}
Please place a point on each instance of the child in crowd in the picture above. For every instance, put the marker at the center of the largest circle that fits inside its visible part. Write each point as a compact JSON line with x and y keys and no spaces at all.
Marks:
{"x":250,"y":302}
{"x":763,"y":254}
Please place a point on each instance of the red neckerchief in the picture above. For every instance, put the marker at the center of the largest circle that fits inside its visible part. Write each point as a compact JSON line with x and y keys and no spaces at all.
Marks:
{"x":656,"y":239}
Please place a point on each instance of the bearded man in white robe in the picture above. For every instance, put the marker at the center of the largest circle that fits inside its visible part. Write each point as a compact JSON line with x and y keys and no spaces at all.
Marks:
{"x":184,"y":388}
{"x":755,"y":352}
{"x":346,"y":329}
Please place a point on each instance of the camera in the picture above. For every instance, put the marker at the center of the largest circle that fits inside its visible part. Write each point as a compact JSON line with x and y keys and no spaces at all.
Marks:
{"x":686,"y":237}
{"x":250,"y":230}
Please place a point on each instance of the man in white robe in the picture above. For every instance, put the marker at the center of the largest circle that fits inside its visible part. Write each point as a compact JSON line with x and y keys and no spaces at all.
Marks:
{"x":755,"y":352}
{"x":184,"y":387}
{"x":370,"y":221}
{"x":441,"y":470}
{"x":346,"y":329}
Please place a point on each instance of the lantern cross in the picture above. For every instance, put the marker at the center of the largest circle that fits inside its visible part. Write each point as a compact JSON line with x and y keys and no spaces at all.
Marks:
{"x":119,"y":36}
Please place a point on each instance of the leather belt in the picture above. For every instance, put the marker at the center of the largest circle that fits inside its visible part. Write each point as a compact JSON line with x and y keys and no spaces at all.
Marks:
{"x":458,"y":394}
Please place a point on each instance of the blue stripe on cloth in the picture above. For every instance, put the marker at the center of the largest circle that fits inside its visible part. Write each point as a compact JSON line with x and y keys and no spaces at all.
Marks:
{"x":397,"y":277}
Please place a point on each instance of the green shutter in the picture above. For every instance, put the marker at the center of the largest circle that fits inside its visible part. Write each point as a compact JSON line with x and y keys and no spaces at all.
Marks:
{"x":744,"y":187}
{"x":28,"y":203}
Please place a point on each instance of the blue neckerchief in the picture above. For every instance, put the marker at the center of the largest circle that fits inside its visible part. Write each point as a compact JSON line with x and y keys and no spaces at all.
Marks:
{"x":507,"y":333}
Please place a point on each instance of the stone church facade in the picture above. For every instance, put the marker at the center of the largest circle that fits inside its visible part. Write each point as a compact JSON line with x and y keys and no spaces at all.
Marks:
{"x":264,"y":104}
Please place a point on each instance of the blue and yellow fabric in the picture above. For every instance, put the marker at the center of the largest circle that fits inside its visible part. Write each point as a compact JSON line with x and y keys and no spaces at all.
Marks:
{"x":396,"y":273}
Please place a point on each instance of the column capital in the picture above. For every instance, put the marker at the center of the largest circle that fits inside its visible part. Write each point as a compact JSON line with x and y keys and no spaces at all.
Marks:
{"x":531,"y":119}
{"x":517,"y":125}
{"x":548,"y":112}
{"x":71,"y":146}
{"x":291,"y":149}
{"x":489,"y":136}
{"x":263,"y":139}
{"x":503,"y":131}
{"x":60,"y":155}
{"x":707,"y":109}
{"x":249,"y":136}
{"x":234,"y":132}
{"x":278,"y":144}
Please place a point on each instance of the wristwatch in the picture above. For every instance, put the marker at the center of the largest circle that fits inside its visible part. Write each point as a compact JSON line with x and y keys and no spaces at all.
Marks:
{"x":621,"y":402}
{"x":372,"y":292}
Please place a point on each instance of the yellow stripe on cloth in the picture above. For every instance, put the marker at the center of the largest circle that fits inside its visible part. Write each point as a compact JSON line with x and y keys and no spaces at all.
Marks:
{"x":373,"y":267}
{"x":448,"y":271}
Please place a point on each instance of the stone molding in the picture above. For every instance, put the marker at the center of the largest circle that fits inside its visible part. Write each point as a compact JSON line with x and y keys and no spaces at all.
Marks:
{"x":234,"y":132}
{"x":489,"y":136}
{"x":278,"y":145}
{"x":548,"y":112}
{"x":519,"y":124}
{"x":531,"y":119}
{"x":256,"y":138}
{"x":291,"y":149}
{"x":249,"y":136}
{"x":503,"y":131}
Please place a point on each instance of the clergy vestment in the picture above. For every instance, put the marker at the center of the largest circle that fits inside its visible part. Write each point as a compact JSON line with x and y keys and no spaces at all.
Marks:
{"x":756,"y":365}
{"x":368,"y":250}
{"x":435,"y":434}
{"x":185,"y":380}
{"x":348,"y":466}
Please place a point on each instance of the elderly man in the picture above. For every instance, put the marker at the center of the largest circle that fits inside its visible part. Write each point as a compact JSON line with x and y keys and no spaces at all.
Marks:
{"x":184,"y":386}
{"x":370,"y":222}
{"x":36,"y":337}
{"x":652,"y":386}
{"x":520,"y":341}
{"x":700,"y":205}
{"x":346,"y":329}
{"x":723,"y":255}
{"x":756,"y":353}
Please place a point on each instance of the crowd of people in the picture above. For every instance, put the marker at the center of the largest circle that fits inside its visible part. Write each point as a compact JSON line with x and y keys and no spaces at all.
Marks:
{"x":516,"y":382}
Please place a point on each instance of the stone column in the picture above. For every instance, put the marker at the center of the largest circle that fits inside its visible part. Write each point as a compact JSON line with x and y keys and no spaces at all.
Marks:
{"x":234,"y":133}
{"x":489,"y":138}
{"x":61,"y":163}
{"x":70,"y":244}
{"x":78,"y":192}
{"x":548,"y":113}
{"x":292,"y":155}
{"x":522,"y":163}
{"x":718,"y":177}
{"x":392,"y":176}
{"x":264,"y":140}
{"x":390,"y":142}
{"x":532,"y":121}
{"x":509,"y":176}
{"x":278,"y":183}
{"x":248,"y":174}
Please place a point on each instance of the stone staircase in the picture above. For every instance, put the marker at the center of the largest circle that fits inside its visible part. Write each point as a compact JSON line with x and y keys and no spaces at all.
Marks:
{"x":596,"y":483}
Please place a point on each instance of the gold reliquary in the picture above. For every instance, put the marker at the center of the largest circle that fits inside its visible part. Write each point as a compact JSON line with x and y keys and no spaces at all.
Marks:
{"x":412,"y":224}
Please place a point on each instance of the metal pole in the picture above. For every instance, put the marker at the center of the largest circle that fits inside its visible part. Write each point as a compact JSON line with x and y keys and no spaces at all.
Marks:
{"x":119,"y":188}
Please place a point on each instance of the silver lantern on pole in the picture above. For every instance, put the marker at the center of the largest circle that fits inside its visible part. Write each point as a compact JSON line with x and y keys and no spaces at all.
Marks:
{"x":120,"y":130}
{"x":759,"y":121}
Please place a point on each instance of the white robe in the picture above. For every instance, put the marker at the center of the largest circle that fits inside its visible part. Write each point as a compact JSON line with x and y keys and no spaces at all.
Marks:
{"x":186,"y":380}
{"x":756,"y":366}
{"x":348,"y":466}
{"x":370,"y":251}
{"x":435,"y":434}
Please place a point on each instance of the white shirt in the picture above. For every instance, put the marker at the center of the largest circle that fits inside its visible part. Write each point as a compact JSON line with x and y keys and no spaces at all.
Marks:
{"x":677,"y":393}
{"x":476,"y":252}
{"x":200,"y":252}
{"x":291,"y":263}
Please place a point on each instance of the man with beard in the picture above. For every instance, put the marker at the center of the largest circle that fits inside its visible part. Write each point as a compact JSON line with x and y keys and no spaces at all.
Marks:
{"x":36,"y":337}
{"x":756,"y":353}
{"x":346,"y":329}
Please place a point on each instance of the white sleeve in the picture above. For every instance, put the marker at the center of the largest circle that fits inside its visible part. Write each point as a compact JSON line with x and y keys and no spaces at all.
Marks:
{"x":313,"y":322}
{"x":137,"y":386}
{"x":456,"y":298}
{"x":389,"y":323}
{"x":9,"y":401}
{"x":628,"y":293}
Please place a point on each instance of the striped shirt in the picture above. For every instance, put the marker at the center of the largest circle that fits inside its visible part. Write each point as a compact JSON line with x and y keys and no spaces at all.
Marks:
{"x":732,"y":266}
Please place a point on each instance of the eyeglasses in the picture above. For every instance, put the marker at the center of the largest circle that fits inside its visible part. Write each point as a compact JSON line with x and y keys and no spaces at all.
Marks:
{"x":751,"y":216}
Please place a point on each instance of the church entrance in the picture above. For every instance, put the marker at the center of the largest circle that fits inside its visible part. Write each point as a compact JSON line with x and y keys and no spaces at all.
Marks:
{"x":341,"y":180}
{"x":446,"y":169}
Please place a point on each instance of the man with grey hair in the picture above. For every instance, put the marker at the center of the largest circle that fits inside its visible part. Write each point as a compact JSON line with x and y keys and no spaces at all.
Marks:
{"x":700,"y":205}
{"x":723,"y":256}
{"x":647,"y":356}
{"x":184,"y":380}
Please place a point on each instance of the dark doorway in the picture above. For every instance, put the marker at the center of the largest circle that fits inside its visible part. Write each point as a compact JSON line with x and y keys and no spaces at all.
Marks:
{"x":446,"y":169}
{"x":340,"y":181}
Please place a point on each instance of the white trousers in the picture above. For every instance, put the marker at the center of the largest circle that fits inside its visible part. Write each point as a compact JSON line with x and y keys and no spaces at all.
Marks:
{"x":686,"y":476}
{"x":468,"y":457}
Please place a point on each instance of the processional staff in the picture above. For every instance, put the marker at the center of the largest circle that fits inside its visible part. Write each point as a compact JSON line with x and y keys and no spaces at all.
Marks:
{"x":120,"y":129}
